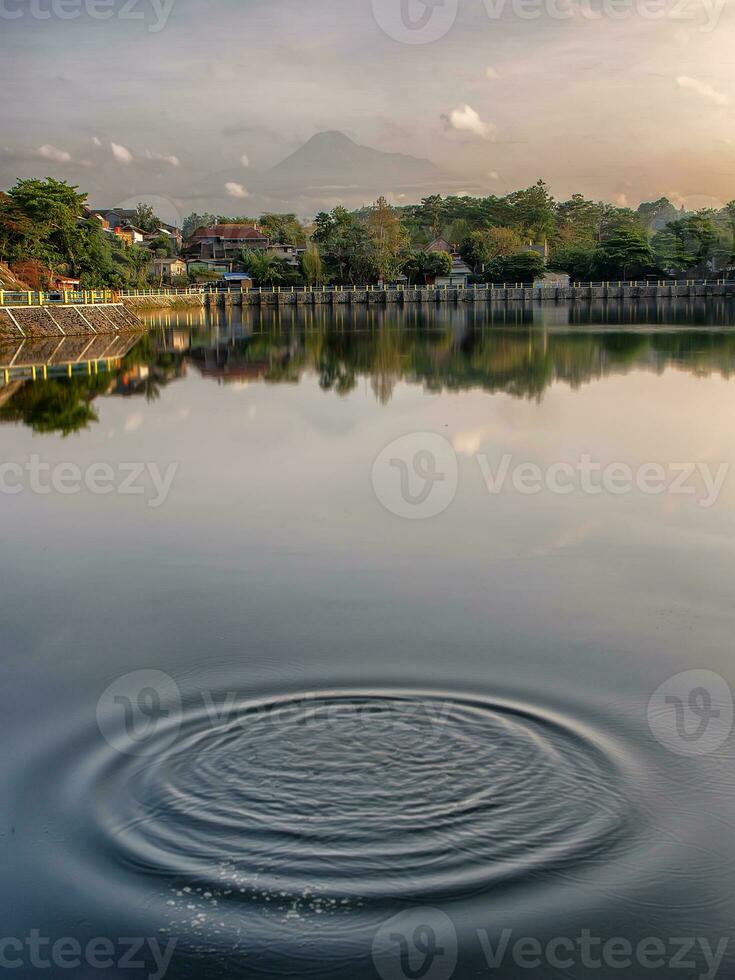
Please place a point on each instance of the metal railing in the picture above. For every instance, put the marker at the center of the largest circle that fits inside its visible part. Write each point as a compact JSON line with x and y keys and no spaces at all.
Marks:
{"x":83,"y":297}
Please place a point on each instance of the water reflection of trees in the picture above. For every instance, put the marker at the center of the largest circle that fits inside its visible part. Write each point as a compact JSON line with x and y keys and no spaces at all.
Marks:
{"x":518,"y":358}
{"x":65,"y":405}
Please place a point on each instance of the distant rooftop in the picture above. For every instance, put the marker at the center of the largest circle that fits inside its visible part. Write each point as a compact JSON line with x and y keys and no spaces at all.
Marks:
{"x":237,"y":232}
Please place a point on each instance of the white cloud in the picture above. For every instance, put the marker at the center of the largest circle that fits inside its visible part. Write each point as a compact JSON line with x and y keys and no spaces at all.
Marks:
{"x":465,"y":119}
{"x":121,"y":154}
{"x":245,"y":160}
{"x":703,"y":89}
{"x":49,"y":152}
{"x":236,"y":190}
{"x":491,"y":72}
{"x":163,"y":158}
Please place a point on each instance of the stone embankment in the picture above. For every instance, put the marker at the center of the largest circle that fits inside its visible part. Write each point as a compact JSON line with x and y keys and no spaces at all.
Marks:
{"x":19,"y":322}
{"x":475,"y":294}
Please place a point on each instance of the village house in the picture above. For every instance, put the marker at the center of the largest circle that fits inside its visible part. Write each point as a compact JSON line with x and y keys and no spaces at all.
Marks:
{"x":224,"y":244}
{"x":164,"y":269}
{"x":289,"y":253}
{"x":460,"y":270}
{"x":129,"y":234}
{"x":111,"y":218}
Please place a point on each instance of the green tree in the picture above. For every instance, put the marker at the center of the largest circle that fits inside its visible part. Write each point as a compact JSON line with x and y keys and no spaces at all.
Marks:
{"x":431,"y":214}
{"x":427,"y":265}
{"x":627,"y":252}
{"x":482,"y":246}
{"x":54,"y":209}
{"x":655,"y":215}
{"x":266,"y":270}
{"x":389,"y":239}
{"x":284,"y":228}
{"x":533,"y":211}
{"x":576,"y":260}
{"x":578,"y":222}
{"x":146,"y":218}
{"x":346,"y":247}
{"x":311,"y":265}
{"x":522,"y":267}
{"x":195,"y":221}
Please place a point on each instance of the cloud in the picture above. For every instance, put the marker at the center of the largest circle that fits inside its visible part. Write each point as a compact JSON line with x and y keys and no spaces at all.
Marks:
{"x":163,"y":158}
{"x":49,"y":152}
{"x":703,"y":89}
{"x":491,"y":72}
{"x":121,"y":154}
{"x":245,"y":160}
{"x":97,"y":141}
{"x":465,"y":119}
{"x":236,"y":190}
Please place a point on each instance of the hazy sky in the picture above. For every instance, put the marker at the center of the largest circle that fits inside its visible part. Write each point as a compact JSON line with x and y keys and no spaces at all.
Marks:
{"x":193,"y":100}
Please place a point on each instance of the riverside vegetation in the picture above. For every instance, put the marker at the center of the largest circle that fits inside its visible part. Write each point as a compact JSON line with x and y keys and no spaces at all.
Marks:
{"x":46,"y":228}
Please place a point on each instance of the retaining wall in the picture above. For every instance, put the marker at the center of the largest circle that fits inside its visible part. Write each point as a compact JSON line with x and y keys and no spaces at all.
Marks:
{"x":19,"y":322}
{"x":471,"y":294}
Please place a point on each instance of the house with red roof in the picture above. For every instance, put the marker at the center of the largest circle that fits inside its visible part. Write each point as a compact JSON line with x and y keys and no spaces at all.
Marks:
{"x":224,"y":244}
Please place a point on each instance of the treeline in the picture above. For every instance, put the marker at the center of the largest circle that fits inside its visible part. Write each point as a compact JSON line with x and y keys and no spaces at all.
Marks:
{"x":45,"y":228}
{"x":587,"y":239}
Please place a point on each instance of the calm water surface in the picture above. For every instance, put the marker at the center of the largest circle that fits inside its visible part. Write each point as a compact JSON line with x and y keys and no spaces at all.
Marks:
{"x":276,"y":711}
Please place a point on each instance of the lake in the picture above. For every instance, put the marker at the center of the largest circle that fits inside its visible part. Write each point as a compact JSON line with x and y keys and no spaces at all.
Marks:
{"x":367,"y":643}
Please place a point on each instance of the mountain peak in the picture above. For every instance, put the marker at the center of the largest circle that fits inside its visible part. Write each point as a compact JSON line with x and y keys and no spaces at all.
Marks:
{"x":330,"y":138}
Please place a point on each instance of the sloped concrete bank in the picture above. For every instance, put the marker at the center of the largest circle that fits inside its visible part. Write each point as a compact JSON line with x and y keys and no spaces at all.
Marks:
{"x":19,"y":322}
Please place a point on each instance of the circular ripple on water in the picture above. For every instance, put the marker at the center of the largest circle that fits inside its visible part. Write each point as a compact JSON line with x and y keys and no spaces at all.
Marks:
{"x":373,"y":794}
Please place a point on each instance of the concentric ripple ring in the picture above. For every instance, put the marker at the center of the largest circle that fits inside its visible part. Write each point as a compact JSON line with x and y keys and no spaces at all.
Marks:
{"x":364,"y":793}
